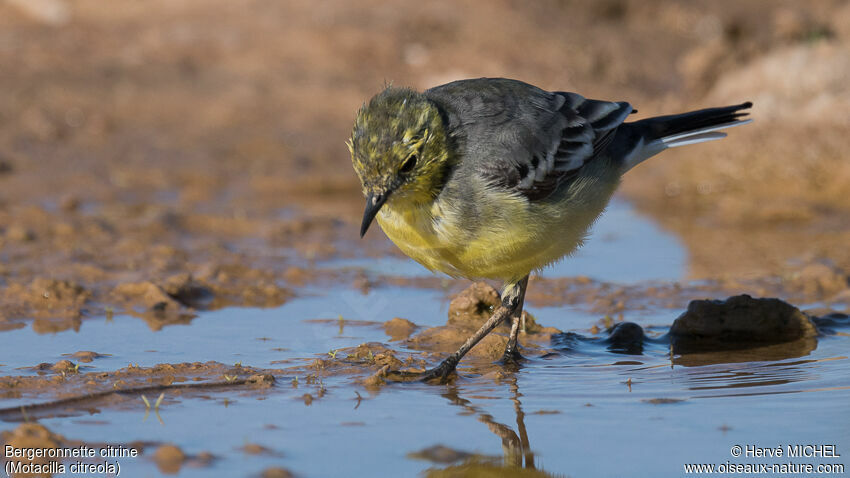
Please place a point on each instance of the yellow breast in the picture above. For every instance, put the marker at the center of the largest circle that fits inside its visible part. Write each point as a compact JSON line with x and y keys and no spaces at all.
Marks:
{"x":508,"y":238}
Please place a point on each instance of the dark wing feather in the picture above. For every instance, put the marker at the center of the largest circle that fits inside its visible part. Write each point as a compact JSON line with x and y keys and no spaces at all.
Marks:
{"x":519,"y":137}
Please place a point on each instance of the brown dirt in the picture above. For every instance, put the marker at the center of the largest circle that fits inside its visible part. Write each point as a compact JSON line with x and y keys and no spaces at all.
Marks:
{"x":398,"y":328}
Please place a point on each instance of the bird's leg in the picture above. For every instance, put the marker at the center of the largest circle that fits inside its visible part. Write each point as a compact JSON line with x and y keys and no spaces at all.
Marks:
{"x":512,"y":354}
{"x":511,"y":299}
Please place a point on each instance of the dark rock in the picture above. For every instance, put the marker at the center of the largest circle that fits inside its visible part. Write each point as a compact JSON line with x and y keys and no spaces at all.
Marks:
{"x":738,"y":322}
{"x":627,"y":338}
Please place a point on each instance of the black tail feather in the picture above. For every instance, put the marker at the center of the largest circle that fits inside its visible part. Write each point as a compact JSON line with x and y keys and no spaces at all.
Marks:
{"x":662,"y":126}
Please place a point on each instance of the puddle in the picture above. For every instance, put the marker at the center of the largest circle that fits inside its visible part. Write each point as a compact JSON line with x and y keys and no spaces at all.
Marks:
{"x":624,"y":247}
{"x":575,"y":409}
{"x":302,"y":328}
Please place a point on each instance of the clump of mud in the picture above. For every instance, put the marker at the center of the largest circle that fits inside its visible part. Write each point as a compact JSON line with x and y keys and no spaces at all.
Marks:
{"x":175,"y":299}
{"x":276,"y":472}
{"x":169,"y":458}
{"x":474,"y":305}
{"x":399,"y":329}
{"x":46,"y":299}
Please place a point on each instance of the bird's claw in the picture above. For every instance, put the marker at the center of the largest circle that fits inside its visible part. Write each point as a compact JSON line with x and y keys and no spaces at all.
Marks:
{"x":512,"y":358}
{"x":441,"y":373}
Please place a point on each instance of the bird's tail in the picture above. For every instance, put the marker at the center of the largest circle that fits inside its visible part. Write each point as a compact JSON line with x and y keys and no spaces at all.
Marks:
{"x":653,"y":135}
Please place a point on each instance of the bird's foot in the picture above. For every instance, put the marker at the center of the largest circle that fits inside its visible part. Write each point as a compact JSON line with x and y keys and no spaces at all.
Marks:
{"x":512,"y":358}
{"x":441,"y":373}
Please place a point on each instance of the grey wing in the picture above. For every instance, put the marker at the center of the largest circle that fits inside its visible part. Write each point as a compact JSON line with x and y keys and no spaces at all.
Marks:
{"x":522,"y":138}
{"x":588,"y":128}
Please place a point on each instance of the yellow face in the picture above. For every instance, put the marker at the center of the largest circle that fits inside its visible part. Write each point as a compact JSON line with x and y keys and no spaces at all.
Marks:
{"x":398,"y":142}
{"x":398,"y":149}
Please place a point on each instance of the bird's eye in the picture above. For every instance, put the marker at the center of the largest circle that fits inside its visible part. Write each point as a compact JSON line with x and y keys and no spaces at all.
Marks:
{"x":409,"y":163}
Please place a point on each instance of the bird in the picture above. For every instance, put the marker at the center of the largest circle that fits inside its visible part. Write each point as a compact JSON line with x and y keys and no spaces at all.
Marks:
{"x":494,"y":178}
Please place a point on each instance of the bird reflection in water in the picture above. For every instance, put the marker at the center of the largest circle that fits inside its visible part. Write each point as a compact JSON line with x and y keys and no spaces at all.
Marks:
{"x":517,"y":458}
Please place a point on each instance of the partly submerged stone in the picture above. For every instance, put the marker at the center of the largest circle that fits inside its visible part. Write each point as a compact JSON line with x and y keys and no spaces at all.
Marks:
{"x":627,"y":338}
{"x":738,"y":322}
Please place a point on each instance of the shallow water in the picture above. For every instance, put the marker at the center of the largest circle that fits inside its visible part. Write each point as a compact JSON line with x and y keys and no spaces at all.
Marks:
{"x":302,"y":328}
{"x":580,"y":410}
{"x":587,"y":411}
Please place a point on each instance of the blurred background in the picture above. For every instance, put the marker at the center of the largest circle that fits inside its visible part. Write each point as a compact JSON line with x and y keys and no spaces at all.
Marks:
{"x":139,"y":140}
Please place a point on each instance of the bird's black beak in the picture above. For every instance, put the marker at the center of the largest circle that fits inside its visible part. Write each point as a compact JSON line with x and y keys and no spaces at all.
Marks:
{"x":373,"y":205}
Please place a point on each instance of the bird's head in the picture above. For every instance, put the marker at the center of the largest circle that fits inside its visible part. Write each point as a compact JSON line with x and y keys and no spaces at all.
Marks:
{"x":399,"y":149}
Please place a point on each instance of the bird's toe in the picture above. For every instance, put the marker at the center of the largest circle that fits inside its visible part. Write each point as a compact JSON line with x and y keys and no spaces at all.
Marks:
{"x":512,"y":357}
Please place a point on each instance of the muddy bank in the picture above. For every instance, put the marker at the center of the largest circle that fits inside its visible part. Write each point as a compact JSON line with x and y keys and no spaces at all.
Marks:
{"x":69,"y":387}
